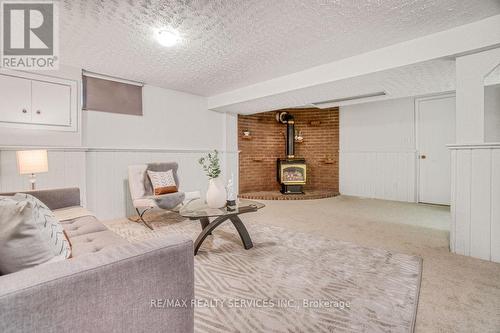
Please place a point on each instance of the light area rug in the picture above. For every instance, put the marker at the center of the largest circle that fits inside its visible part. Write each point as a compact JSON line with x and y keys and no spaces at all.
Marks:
{"x":291,"y":282}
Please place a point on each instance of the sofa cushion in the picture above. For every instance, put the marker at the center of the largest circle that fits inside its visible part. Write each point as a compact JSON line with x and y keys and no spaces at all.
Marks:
{"x":95,"y":242}
{"x":86,"y":233}
{"x":82,"y":226}
{"x":30,"y":234}
{"x":71,"y":212}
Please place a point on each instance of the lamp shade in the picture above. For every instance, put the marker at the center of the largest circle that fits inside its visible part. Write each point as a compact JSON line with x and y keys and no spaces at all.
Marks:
{"x":32,"y":161}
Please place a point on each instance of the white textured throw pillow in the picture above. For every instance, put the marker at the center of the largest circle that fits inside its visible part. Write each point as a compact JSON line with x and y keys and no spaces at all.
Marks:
{"x":163,"y":182}
{"x":30,"y":234}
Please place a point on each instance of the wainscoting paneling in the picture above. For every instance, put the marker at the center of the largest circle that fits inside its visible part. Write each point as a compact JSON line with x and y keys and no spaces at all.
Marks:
{"x":475,"y":229}
{"x":66,"y":169}
{"x":480,"y":206}
{"x":495,"y":205}
{"x":453,"y":174}
{"x":101,"y":174}
{"x":462,"y":201}
{"x":107,"y":178}
{"x":378,"y":174}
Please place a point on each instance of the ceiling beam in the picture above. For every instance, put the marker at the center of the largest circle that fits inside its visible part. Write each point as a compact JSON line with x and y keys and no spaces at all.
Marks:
{"x":460,"y":40}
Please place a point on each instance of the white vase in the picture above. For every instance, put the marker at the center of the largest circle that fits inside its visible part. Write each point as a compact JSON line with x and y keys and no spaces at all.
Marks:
{"x":216,"y":194}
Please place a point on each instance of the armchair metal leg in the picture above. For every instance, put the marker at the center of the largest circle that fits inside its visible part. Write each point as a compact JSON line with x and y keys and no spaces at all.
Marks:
{"x":142,"y":219}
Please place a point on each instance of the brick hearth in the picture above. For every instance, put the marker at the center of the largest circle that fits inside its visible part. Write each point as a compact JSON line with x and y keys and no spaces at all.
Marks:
{"x":266,"y":143}
{"x":276,"y":195}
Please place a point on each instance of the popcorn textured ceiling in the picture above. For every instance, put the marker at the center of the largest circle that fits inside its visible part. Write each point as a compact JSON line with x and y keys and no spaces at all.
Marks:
{"x":430,"y":77}
{"x":230,"y":44}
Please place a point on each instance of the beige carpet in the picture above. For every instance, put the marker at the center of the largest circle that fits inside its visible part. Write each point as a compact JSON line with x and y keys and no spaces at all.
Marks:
{"x":292,"y":281}
{"x":458,"y":293}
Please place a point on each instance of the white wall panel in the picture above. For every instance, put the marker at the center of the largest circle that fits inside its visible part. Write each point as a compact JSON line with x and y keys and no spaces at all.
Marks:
{"x":377,"y":156}
{"x":57,"y":167}
{"x":106,"y":189}
{"x":453,"y":199}
{"x":10,"y":180}
{"x":475,"y":229}
{"x":492,"y":113}
{"x":470,"y":95}
{"x":91,"y":182}
{"x":495,"y":205}
{"x":66,"y":169}
{"x":480,"y":213}
{"x":378,"y":126}
{"x":107,"y":177}
{"x":462,"y":202}
{"x":75,"y":172}
{"x":381,"y":175}
{"x":171,"y":120}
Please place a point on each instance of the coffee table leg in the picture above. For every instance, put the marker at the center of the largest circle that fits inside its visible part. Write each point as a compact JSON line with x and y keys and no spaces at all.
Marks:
{"x":207,"y":231}
{"x":238,"y":224}
{"x":242,"y":230}
{"x":204,"y":222}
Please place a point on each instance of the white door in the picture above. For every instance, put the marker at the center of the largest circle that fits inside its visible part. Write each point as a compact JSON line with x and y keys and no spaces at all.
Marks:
{"x":51,"y":103}
{"x":436,"y":129}
{"x":15,"y":99}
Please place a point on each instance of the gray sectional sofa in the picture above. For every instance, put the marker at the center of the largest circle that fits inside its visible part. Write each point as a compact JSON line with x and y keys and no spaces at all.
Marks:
{"x":109,"y":284}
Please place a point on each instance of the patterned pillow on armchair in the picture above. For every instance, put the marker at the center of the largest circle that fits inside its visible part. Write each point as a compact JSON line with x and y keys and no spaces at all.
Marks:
{"x":163,"y":182}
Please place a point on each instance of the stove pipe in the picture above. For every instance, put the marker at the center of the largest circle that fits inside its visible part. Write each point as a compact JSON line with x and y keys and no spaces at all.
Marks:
{"x":286,"y":118}
{"x":290,"y":138}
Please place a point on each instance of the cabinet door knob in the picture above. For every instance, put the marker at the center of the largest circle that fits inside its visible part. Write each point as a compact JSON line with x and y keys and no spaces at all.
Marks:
{"x":423,"y":157}
{"x":38,"y":111}
{"x":25,"y":111}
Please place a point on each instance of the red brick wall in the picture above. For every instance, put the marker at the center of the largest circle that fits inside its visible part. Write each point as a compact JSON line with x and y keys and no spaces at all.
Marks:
{"x":320,"y":147}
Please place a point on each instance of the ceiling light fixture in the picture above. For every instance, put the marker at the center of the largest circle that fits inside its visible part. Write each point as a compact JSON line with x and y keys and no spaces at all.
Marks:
{"x":168,"y":37}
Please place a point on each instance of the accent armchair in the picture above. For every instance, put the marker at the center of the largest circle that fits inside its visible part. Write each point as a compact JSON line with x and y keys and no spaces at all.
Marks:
{"x":141,"y":190}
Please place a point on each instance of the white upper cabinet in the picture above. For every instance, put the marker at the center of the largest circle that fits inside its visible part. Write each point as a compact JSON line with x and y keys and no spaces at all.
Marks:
{"x":38,"y":102}
{"x":15,"y":99}
{"x":50,"y":103}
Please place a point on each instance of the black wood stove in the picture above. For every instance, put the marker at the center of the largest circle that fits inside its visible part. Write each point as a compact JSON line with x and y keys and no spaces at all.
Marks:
{"x":291,"y":171}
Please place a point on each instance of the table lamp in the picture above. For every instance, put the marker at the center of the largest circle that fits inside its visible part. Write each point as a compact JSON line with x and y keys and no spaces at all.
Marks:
{"x":32,"y":162}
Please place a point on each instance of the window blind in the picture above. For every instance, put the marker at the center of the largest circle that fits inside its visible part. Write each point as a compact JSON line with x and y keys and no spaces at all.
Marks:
{"x":107,"y":95}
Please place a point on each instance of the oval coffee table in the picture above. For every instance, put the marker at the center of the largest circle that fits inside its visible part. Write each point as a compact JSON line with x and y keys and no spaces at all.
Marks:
{"x":199,"y":210}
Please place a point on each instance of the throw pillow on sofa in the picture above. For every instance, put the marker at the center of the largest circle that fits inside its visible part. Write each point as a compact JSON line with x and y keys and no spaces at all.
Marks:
{"x":163,"y":182}
{"x":30,"y":234}
{"x":49,"y":223}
